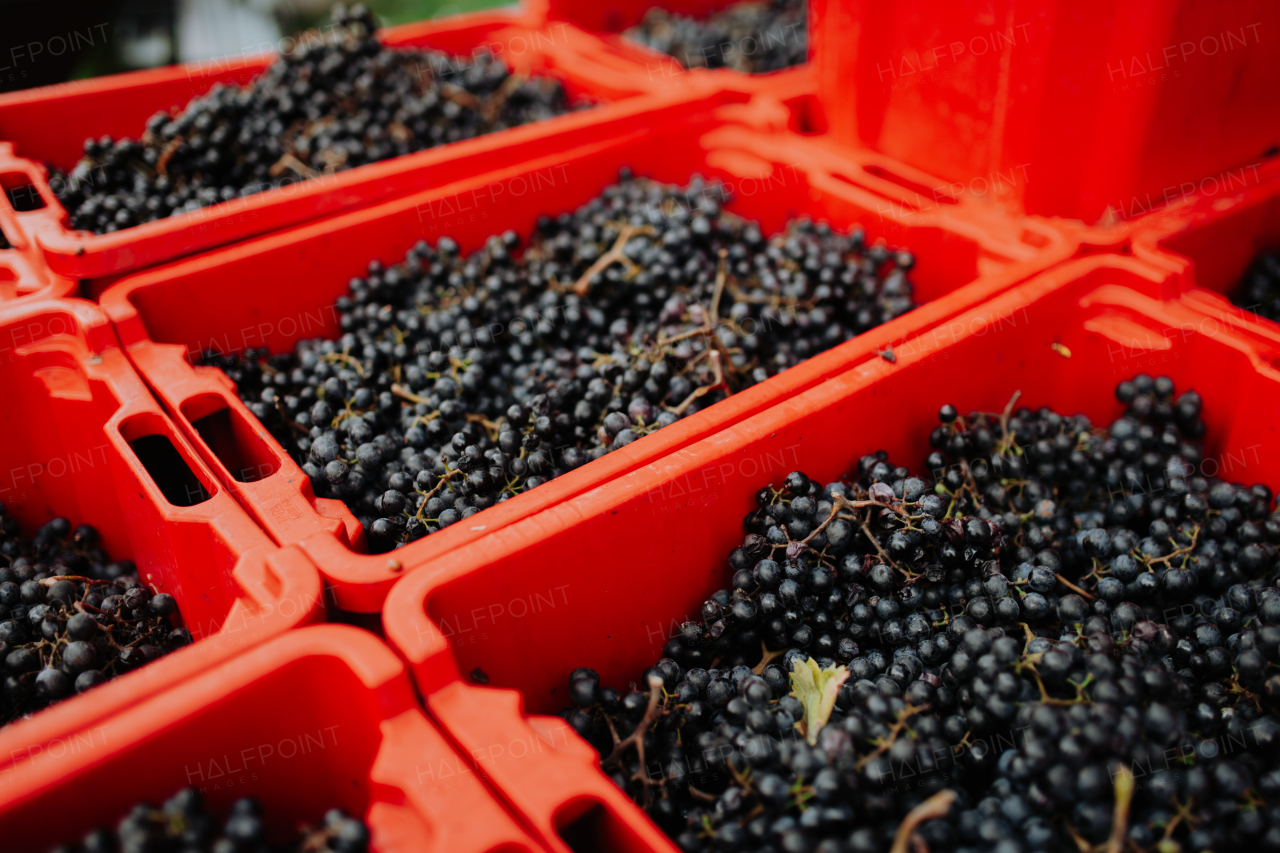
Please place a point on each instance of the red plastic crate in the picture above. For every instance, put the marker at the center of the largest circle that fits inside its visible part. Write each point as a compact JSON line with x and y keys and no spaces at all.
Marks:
{"x":1078,"y":107}
{"x":74,"y":408}
{"x":550,"y":593}
{"x":320,"y":718}
{"x":22,"y":271}
{"x":276,"y":290}
{"x":50,"y":125}
{"x":654,"y":71}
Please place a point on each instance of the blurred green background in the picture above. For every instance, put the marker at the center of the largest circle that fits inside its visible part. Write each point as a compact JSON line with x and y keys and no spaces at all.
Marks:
{"x":124,"y":35}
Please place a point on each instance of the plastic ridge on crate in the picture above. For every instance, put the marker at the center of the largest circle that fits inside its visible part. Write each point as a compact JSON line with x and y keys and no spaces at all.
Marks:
{"x":75,"y":410}
{"x":22,"y":270}
{"x":50,"y":124}
{"x":552,"y":592}
{"x":1206,"y":236}
{"x":1080,"y":109}
{"x":280,"y":288}
{"x":323,"y":717}
{"x":1212,"y":237}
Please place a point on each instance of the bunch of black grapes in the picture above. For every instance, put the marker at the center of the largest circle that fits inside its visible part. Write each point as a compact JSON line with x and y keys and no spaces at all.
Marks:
{"x":1062,"y":638}
{"x":331,"y":104}
{"x":185,"y":824}
{"x":460,"y":381}
{"x":70,"y":617}
{"x":751,"y":37}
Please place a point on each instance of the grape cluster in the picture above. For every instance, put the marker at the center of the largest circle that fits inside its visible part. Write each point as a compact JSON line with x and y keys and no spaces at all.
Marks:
{"x":1061,"y":638}
{"x":751,"y":37}
{"x":326,"y":106}
{"x":461,"y":381}
{"x":70,"y":618}
{"x":1259,"y":291}
{"x":184,"y":823}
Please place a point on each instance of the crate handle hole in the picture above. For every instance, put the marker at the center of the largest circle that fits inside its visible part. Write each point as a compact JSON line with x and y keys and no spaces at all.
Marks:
{"x":230,"y":436}
{"x":807,"y":116}
{"x":162,"y":461}
{"x":23,"y":195}
{"x":588,"y":826}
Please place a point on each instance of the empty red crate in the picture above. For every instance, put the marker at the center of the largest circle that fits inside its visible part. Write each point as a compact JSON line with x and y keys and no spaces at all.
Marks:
{"x":324,"y":717}
{"x":75,"y":419}
{"x":1081,"y":110}
{"x":278,"y":289}
{"x":50,"y":125}
{"x":602,"y":579}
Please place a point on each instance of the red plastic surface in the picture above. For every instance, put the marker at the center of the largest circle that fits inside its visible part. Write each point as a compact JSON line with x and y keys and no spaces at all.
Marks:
{"x":323,"y":717}
{"x":277,"y":289}
{"x":50,"y":124}
{"x":1206,"y":237}
{"x":558,"y":590}
{"x":23,"y":274}
{"x":1212,"y":239}
{"x":1077,"y":108}
{"x":72,"y":406}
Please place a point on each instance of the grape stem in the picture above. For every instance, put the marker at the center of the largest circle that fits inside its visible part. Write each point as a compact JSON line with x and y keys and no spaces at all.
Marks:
{"x":766,"y":657}
{"x":718,"y":373}
{"x":1120,"y":820}
{"x":405,"y":394}
{"x":499,"y":98}
{"x":614,"y":255}
{"x":933,"y":808}
{"x":1004,"y":421}
{"x":1085,"y":846}
{"x":636,"y":738}
{"x":50,"y":581}
{"x":894,"y":730}
{"x":840,"y":502}
{"x":1074,"y":588}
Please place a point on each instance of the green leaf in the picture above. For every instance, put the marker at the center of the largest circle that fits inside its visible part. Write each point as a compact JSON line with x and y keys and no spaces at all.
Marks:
{"x":816,"y":688}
